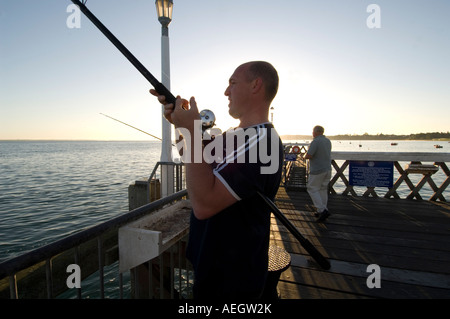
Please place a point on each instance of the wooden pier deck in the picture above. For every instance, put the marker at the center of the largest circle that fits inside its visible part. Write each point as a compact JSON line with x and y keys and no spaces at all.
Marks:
{"x":408,"y":239}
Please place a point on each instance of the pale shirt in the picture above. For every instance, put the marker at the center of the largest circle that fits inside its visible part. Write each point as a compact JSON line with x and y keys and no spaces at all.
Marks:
{"x":320,"y":150}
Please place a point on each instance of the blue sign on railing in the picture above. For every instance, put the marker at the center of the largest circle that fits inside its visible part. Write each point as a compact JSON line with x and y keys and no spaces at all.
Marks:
{"x":290,"y":157}
{"x":371,"y":173}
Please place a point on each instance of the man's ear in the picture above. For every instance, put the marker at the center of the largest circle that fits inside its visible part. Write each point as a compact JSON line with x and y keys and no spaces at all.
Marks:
{"x":257,"y":85}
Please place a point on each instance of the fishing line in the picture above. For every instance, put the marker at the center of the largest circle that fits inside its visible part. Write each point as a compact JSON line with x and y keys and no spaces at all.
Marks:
{"x":134,"y":127}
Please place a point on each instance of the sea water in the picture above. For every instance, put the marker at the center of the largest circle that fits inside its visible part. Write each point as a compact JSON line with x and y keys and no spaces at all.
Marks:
{"x":50,"y":189}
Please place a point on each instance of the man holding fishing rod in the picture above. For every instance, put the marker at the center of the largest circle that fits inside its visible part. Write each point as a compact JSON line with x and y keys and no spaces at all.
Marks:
{"x":230,"y":224}
{"x":232,"y":196}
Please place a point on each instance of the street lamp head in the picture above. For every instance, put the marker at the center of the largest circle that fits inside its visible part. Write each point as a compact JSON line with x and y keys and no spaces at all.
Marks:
{"x":164,"y":11}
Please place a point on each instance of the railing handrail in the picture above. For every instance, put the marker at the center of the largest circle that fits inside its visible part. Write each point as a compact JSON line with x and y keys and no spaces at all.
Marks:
{"x":15,"y":264}
{"x":391,"y":156}
{"x":384,"y":156}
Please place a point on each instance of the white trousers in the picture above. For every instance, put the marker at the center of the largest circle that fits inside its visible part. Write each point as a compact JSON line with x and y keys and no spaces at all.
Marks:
{"x":318,"y":190}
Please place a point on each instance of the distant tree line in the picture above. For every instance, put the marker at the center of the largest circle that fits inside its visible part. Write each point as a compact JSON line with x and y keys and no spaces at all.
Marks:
{"x":381,"y":136}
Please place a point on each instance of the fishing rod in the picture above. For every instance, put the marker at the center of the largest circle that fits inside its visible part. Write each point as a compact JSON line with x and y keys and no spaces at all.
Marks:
{"x":318,"y":257}
{"x":159,"y":87}
{"x":132,"y":127}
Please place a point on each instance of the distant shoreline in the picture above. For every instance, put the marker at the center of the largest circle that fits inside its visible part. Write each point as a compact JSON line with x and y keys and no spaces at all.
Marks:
{"x":378,"y":137}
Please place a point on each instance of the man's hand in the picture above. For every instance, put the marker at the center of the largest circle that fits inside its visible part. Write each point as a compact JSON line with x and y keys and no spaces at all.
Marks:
{"x":180,"y":106}
{"x":168,"y":108}
{"x":185,"y":114}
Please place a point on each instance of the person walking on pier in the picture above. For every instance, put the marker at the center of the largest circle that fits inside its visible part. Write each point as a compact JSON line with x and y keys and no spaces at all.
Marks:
{"x":319,"y":155}
{"x":230,"y":225}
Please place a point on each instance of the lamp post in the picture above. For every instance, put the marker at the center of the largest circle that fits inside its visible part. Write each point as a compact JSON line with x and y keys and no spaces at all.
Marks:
{"x":164,"y":11}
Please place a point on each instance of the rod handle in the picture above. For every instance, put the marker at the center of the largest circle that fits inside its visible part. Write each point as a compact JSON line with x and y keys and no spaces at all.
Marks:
{"x":162,"y":90}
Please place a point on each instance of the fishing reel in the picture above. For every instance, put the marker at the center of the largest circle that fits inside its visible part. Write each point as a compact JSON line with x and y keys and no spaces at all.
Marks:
{"x":208,"y":121}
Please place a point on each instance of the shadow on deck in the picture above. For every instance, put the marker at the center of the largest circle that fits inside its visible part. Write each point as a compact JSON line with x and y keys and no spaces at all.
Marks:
{"x":408,"y":239}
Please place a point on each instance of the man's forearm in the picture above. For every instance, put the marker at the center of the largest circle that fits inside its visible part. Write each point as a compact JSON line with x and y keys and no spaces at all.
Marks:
{"x":207,"y":194}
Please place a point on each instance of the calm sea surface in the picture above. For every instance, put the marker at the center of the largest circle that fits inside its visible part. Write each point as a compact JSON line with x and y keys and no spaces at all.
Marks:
{"x":50,"y":189}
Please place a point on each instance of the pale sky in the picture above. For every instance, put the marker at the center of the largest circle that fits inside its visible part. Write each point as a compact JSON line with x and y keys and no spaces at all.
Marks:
{"x":334,"y":70}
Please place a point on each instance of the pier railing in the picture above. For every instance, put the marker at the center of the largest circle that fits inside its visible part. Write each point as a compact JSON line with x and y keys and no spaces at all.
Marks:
{"x":42,"y":273}
{"x":418,"y":175}
{"x":175,"y":170}
{"x":414,"y":170}
{"x":295,"y":169}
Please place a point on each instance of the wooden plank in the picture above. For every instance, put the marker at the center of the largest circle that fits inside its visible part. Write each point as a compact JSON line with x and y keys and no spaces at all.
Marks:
{"x":429,"y":255}
{"x":293,"y":290}
{"x":374,"y":254}
{"x":380,"y":208}
{"x":355,"y":286}
{"x":388,"y":237}
{"x":367,"y":225}
{"x":387,"y":273}
{"x":408,"y":239}
{"x":342,"y":241}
